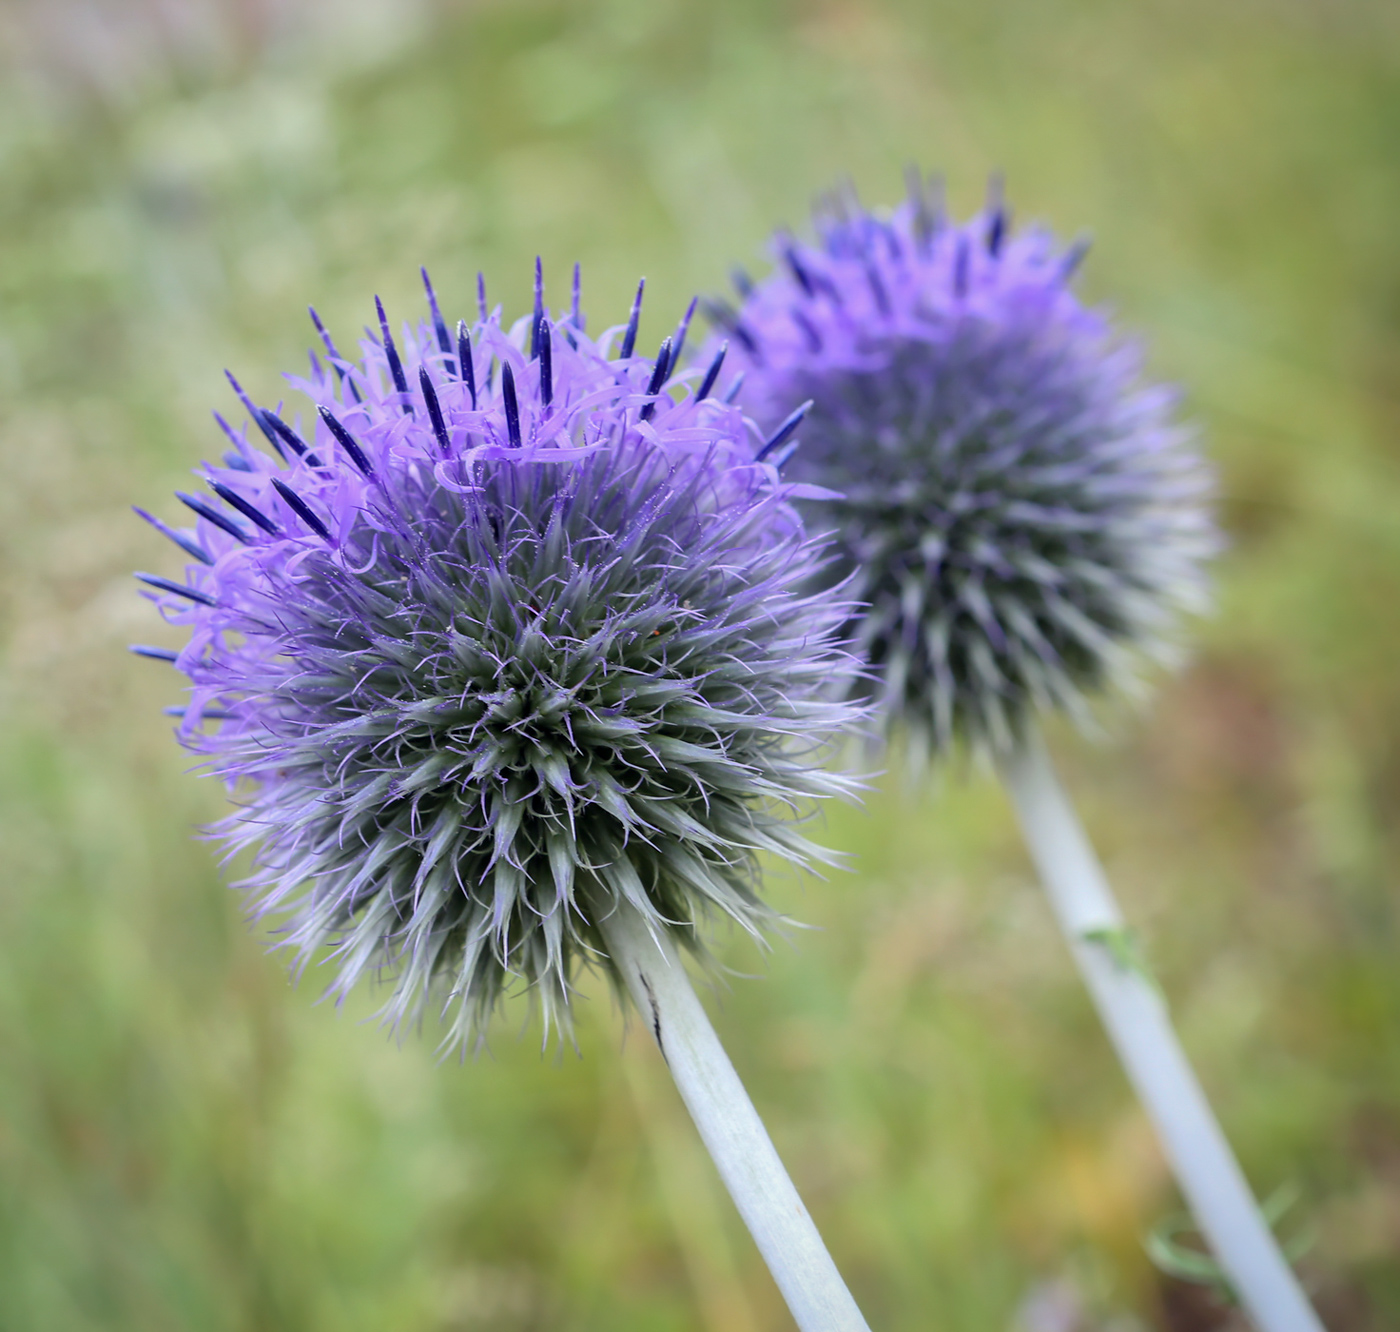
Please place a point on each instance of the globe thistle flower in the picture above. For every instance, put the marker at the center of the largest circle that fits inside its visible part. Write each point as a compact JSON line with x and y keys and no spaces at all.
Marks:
{"x":507,"y":631}
{"x":1020,"y":510}
{"x":1025,"y":519}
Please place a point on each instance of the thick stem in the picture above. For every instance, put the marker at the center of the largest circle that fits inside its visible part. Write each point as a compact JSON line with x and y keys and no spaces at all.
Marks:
{"x":1136,"y":1017}
{"x":730,"y":1126}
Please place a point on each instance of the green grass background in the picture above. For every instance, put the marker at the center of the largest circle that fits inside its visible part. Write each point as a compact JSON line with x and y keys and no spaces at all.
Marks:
{"x":188,"y":1143}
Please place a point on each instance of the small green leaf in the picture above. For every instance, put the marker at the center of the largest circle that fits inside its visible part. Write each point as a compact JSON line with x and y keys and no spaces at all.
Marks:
{"x":1187,"y":1262}
{"x":1125,"y":949}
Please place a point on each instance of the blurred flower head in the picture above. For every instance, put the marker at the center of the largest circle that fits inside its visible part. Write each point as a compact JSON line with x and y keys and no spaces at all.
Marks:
{"x":508,"y":630}
{"x":1022,"y":513}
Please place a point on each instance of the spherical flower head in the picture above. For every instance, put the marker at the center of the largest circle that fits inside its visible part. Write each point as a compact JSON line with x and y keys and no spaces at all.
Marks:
{"x":1021,"y":513}
{"x":504,"y":633}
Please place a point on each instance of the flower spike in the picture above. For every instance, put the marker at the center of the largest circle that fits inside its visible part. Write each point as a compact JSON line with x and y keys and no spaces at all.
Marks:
{"x":245,"y":507}
{"x":430,"y":400}
{"x":346,"y":441}
{"x":439,"y":326}
{"x":391,"y":355}
{"x":176,"y":589}
{"x":785,"y":431}
{"x":712,"y":374}
{"x":629,"y":337}
{"x":546,"y":357}
{"x":191,"y":548}
{"x":658,"y":377}
{"x":256,"y":414}
{"x":538,"y":320}
{"x":301,"y":508}
{"x":212,"y":515}
{"x":511,"y":403}
{"x":466,"y":368}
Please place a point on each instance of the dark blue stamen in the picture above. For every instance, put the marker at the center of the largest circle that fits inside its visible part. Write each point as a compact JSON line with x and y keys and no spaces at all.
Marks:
{"x":210,"y":513}
{"x":720,"y":313}
{"x":302,"y":510}
{"x":893,"y":244}
{"x":829,"y":289}
{"x":154,"y":653}
{"x":539,"y":309}
{"x":960,"y":262}
{"x":732,"y":391}
{"x":346,"y":442}
{"x":804,"y":279}
{"x":723,"y":315}
{"x":176,"y":589}
{"x":430,"y":397}
{"x":546,"y":346}
{"x":996,"y":231}
{"x":785,"y":431}
{"x":712,"y":373}
{"x":1073,"y":257}
{"x":439,"y":326}
{"x":248,"y":510}
{"x":575,"y":318}
{"x":191,"y":548}
{"x":325,"y":337}
{"x":284,"y":432}
{"x":466,"y":365}
{"x":809,"y":329}
{"x":233,"y":437}
{"x":481,"y":295}
{"x":662,"y":366}
{"x":924,"y":229}
{"x":743,"y":283}
{"x":512,"y":407}
{"x":256,"y":414}
{"x":629,"y":338}
{"x":206,"y":714}
{"x":334,"y":356}
{"x":391,"y":354}
{"x":236,"y":459}
{"x":658,"y":377}
{"x":877,"y":289}
{"x":780,"y":459}
{"x":678,"y":342}
{"x":995,"y":210}
{"x":741,"y":330}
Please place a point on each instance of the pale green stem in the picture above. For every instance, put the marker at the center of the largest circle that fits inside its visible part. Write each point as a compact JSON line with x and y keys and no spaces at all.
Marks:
{"x":1135,"y":1015}
{"x":730,"y":1126}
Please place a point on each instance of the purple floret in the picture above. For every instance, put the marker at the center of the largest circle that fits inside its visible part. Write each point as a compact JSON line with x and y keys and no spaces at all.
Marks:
{"x":1022,"y":514}
{"x":490,"y":642}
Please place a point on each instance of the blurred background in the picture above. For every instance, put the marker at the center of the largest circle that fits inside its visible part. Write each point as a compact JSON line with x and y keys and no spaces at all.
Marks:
{"x":188,"y":1143}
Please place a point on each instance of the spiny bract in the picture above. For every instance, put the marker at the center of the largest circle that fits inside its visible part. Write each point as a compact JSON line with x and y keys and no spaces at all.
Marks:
{"x":1020,"y":511}
{"x":508,"y":633}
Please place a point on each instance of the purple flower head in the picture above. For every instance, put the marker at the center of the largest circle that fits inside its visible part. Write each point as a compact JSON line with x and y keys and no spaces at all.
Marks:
{"x":503,"y":631}
{"x":1021,"y":512}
